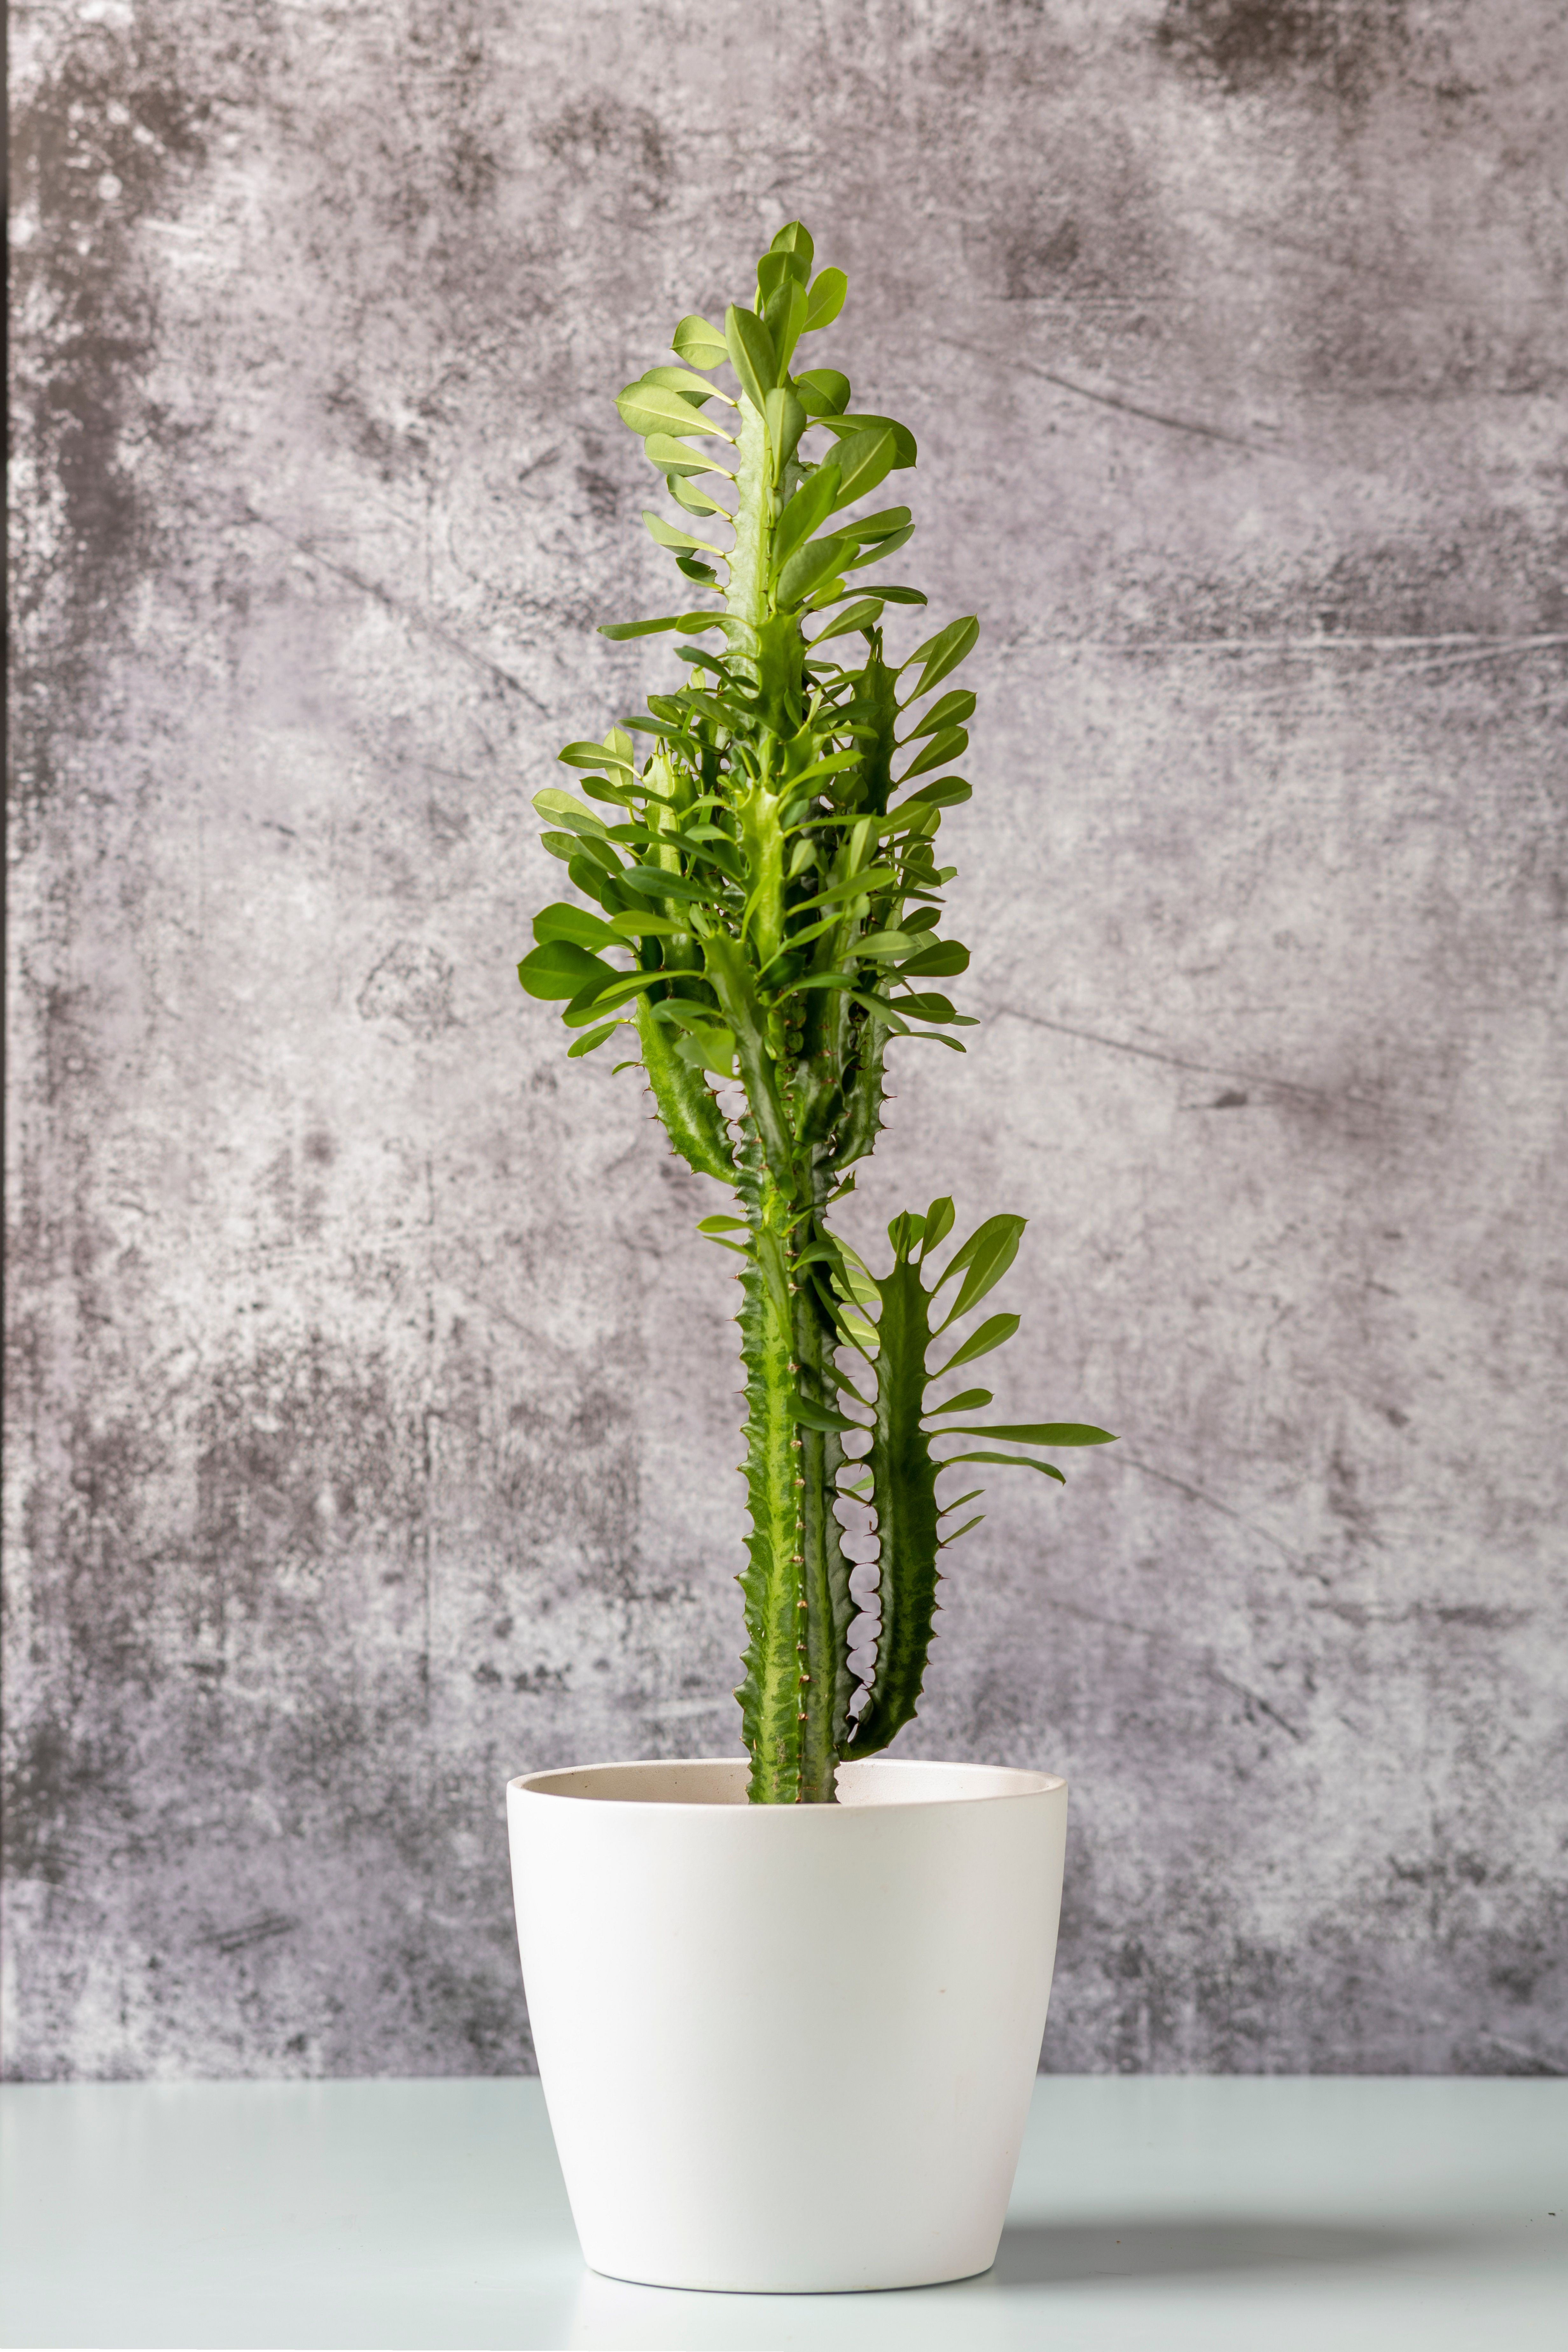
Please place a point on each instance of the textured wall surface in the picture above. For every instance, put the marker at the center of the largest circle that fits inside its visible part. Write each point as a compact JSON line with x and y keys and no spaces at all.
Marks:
{"x":372,"y":1403}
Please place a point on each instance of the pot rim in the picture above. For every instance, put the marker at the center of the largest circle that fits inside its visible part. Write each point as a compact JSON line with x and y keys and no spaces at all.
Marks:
{"x":1008,"y":1783}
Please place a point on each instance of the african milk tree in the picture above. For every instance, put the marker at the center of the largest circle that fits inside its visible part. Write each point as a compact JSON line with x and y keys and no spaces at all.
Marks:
{"x":759,"y":901}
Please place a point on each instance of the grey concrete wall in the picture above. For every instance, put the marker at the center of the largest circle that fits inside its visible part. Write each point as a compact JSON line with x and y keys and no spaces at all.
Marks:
{"x":372,"y":1403}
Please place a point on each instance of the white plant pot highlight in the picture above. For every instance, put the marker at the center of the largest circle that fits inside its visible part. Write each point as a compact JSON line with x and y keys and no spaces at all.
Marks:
{"x":788,"y":2048}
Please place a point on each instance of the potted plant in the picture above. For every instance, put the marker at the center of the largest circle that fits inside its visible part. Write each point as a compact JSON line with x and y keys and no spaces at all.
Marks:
{"x":788,"y":2011}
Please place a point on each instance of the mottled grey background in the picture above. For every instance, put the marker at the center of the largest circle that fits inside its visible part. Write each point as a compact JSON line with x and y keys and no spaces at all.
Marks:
{"x":372,"y":1403}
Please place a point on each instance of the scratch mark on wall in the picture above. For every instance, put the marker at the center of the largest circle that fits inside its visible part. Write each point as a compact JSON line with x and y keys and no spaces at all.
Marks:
{"x":383,"y":596}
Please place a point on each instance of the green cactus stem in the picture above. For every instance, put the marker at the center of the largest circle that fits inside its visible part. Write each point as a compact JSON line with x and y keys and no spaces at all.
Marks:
{"x":758,"y":900}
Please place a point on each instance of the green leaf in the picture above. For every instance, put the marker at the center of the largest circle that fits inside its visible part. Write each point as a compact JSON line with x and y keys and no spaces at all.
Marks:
{"x":807,"y":568}
{"x":698,"y":343}
{"x":708,"y":1046}
{"x":953,"y":709}
{"x":667,"y":379}
{"x":650,"y":408}
{"x":904,"y":451}
{"x":825,"y":300}
{"x":939,"y":1224}
{"x":780,"y":267}
{"x":568,"y":812}
{"x":669,"y":534}
{"x":722,"y":1225}
{"x":785,"y":420}
{"x":1030,"y":1433}
{"x":785,"y":316}
{"x":561,"y":969}
{"x":1019,"y":1461}
{"x":1045,"y":1432}
{"x":592,"y":1041}
{"x":983,"y":1260}
{"x":795,"y":238}
{"x":930,"y":1006}
{"x":811,"y":506}
{"x":684,"y":1011}
{"x":652,"y":882}
{"x":751,"y":354}
{"x":944,"y":791}
{"x":642,"y":925}
{"x":942,"y":654}
{"x":822,"y":392}
{"x":902,"y":595}
{"x":864,"y":460}
{"x":969,"y":1401}
{"x":827,"y":767}
{"x":695,"y":501}
{"x":994,"y":1332}
{"x":891,"y":523}
{"x":944,"y":960}
{"x":853,"y":885}
{"x":863,"y":614}
{"x":586,"y":873}
{"x":589,"y":847}
{"x":599,"y":755}
{"x":676,"y":458}
{"x":561,"y":921}
{"x":881,"y":548}
{"x":978,"y":1520}
{"x":949,"y":744}
{"x":619,"y":630}
{"x":591,"y":998}
{"x":817,"y":1416}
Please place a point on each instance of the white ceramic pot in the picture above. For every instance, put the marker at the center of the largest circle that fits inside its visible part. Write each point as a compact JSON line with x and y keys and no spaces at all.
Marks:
{"x":788,"y":2048}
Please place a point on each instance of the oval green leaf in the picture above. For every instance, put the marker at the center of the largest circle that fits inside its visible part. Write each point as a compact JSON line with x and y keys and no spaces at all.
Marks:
{"x":994,"y":1332}
{"x":863,"y":614}
{"x":561,"y":969}
{"x":1019,"y":1461}
{"x":751,"y":353}
{"x":681,"y":380}
{"x":950,"y":743}
{"x":808,"y":567}
{"x":593,"y":1041}
{"x":561,"y":921}
{"x":944,"y":960}
{"x":698,"y":343}
{"x":825,"y":300}
{"x":864,"y":460}
{"x":942,"y":653}
{"x":822,"y":392}
{"x":646,"y":408}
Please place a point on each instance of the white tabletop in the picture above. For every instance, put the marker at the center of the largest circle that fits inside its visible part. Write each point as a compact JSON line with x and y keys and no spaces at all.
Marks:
{"x":1150,"y":2214}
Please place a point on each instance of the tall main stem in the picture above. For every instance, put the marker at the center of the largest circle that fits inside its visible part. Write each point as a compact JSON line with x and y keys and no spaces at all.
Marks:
{"x":797,"y":1684}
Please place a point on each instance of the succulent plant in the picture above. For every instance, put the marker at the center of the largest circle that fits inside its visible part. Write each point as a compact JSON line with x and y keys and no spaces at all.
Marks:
{"x":763,"y":903}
